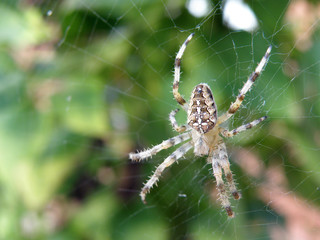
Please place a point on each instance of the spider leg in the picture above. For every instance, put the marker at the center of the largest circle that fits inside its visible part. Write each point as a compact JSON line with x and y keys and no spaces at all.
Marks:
{"x":217,"y":172}
{"x":166,"y":163}
{"x":235,"y":106}
{"x":164,"y":145}
{"x":225,"y":164}
{"x":177,"y":64}
{"x":174,"y":123}
{"x":242,"y":128}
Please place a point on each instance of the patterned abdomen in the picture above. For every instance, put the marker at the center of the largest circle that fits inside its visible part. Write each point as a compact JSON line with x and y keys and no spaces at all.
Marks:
{"x":202,"y":113}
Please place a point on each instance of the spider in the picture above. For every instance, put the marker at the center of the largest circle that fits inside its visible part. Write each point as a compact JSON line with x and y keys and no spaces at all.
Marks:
{"x":203,"y":132}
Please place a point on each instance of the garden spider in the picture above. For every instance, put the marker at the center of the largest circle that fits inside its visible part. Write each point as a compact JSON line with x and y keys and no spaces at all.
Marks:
{"x":203,"y":132}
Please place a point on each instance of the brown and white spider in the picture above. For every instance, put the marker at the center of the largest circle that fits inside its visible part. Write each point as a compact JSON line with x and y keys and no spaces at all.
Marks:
{"x":203,"y":131}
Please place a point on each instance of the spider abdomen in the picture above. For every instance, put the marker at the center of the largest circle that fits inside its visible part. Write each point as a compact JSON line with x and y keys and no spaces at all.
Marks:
{"x":202,"y":113}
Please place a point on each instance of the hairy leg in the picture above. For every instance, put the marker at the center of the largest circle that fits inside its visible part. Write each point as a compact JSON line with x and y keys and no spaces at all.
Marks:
{"x":242,"y":128}
{"x":225,"y":164}
{"x":174,"y":123}
{"x":235,"y":106}
{"x":177,"y":64}
{"x":164,"y":145}
{"x":217,"y":172}
{"x":166,"y":163}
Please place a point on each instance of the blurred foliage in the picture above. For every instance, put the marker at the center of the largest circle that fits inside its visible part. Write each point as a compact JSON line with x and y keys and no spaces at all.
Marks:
{"x":85,"y":82}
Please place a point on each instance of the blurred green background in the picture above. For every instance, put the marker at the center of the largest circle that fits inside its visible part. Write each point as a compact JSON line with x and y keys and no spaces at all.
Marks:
{"x":83,"y":83}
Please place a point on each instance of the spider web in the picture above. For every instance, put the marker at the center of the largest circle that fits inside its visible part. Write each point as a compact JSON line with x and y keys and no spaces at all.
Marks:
{"x":91,"y":81}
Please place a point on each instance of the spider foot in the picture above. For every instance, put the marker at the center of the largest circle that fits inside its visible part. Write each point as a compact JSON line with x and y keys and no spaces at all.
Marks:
{"x":229,"y":212}
{"x":134,"y":157}
{"x":143,"y":194}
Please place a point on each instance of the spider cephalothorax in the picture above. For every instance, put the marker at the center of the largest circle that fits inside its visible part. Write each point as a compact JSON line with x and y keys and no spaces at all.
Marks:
{"x":202,"y":132}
